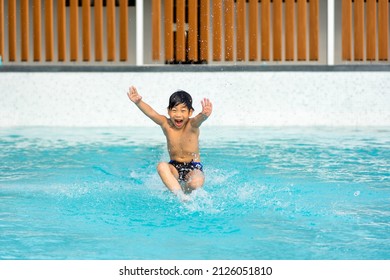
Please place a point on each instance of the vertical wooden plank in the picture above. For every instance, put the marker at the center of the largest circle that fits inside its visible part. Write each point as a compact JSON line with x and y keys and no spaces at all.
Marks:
{"x":253,"y":29}
{"x":156,"y":29}
{"x":217,"y":30}
{"x":302,"y":15}
{"x":204,"y":30}
{"x":24,"y":12}
{"x":86,"y":11}
{"x":98,"y":30}
{"x":241,"y":23}
{"x":37,"y":30}
{"x":124,"y":30}
{"x":110,"y":9}
{"x":290,"y":29}
{"x":49,"y":32}
{"x":277,"y":31}
{"x":12,"y":30}
{"x":346,"y":30}
{"x":180,"y":31}
{"x":265,"y":29}
{"x":2,"y":30}
{"x":314,"y":30}
{"x":61,"y":29}
{"x":383,"y":29}
{"x":371,"y":30}
{"x":193,"y":30}
{"x":229,"y":30}
{"x":359,"y":29}
{"x":74,"y":30}
{"x":168,"y":25}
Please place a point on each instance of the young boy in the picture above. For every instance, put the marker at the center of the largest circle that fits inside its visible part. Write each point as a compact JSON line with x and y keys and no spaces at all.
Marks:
{"x":182,"y":133}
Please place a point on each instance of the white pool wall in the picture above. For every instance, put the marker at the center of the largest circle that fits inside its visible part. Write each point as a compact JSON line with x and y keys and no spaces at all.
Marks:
{"x":91,"y":99}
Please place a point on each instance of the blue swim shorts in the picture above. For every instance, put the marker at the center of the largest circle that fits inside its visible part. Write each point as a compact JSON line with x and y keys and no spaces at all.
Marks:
{"x":185,"y":167}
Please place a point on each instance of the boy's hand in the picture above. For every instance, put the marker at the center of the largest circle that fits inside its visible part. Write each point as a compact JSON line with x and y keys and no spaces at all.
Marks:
{"x":133,"y":95}
{"x":207,"y":107}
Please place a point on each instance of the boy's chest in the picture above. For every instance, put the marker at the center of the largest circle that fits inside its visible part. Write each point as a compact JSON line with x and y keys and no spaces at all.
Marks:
{"x":181,"y":137}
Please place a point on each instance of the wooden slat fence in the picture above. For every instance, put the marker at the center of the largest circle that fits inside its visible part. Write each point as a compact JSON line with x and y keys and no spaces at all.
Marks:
{"x":190,"y":31}
{"x":240,"y":30}
{"x":73,"y":30}
{"x":365,"y":30}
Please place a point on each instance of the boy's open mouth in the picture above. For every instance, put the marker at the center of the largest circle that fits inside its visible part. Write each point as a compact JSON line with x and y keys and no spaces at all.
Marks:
{"x":178,"y":123}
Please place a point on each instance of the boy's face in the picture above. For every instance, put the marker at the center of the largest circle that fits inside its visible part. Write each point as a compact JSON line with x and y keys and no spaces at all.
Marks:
{"x":180,"y":114}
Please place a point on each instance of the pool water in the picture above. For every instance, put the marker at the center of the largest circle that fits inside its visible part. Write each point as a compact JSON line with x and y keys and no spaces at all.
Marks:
{"x":270,"y":193}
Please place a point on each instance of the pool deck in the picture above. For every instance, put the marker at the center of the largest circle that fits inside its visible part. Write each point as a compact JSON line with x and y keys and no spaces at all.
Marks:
{"x":258,"y":95}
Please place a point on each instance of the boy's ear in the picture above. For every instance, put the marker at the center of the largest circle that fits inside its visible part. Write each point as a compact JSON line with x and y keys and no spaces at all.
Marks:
{"x":191,"y":111}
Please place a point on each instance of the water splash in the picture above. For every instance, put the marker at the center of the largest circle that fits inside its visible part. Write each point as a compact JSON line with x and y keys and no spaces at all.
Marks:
{"x":201,"y":201}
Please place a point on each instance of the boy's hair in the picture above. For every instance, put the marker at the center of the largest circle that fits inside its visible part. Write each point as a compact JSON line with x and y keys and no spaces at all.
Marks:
{"x":180,"y":97}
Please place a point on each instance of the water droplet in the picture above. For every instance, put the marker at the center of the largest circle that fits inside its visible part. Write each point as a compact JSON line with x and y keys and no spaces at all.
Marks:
{"x":357,"y":193}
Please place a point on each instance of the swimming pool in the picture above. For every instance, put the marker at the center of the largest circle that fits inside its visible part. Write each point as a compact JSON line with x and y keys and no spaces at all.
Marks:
{"x":270,"y":193}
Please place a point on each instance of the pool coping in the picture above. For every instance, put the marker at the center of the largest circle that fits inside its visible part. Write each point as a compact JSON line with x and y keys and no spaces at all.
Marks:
{"x":194,"y":68}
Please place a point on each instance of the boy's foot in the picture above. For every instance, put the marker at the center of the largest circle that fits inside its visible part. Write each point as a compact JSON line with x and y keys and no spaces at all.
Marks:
{"x":182,"y":196}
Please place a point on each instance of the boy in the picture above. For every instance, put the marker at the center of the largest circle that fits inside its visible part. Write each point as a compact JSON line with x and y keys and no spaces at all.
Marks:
{"x":182,"y":133}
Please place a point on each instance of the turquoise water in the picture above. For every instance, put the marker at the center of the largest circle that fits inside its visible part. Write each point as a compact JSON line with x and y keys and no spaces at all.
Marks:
{"x":270,"y":193}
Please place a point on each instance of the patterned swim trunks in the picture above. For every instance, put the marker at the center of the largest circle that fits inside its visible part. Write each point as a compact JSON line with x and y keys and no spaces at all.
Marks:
{"x":185,"y":167}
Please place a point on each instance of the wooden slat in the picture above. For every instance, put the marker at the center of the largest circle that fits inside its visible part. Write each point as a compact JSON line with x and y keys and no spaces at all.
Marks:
{"x":229,"y":30}
{"x":98,"y":30}
{"x":37,"y":30}
{"x":86,"y":11}
{"x":193,"y":30}
{"x":168,"y":25}
{"x":314,"y":30}
{"x":359,"y":30}
{"x":2,"y":54}
{"x":241,"y":22}
{"x":111,"y":30}
{"x":371,"y":29}
{"x":302,"y":15}
{"x":24,"y":18}
{"x":74,"y":30}
{"x":277,"y":31}
{"x":265,"y":29}
{"x":12,"y":30}
{"x":124,"y":30}
{"x":156,"y":29}
{"x":289,"y":29}
{"x":253,"y":29}
{"x":204,"y":30}
{"x":346,"y":30}
{"x":49,"y":30}
{"x":61,"y":29}
{"x":383,"y":29}
{"x":180,"y":46}
{"x":217,"y":30}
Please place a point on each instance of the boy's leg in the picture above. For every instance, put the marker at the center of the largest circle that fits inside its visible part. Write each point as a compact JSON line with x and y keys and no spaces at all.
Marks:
{"x":169,"y":176}
{"x":194,"y":180}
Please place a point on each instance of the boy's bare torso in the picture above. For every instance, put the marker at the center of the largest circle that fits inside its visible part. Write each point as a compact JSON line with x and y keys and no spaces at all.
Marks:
{"x":183,"y":144}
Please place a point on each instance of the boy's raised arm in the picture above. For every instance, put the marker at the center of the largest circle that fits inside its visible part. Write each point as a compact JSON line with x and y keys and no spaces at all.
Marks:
{"x":207,"y":108}
{"x":144,"y":107}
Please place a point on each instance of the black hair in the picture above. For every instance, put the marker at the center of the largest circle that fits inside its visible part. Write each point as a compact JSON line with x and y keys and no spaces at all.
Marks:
{"x":180,"y":97}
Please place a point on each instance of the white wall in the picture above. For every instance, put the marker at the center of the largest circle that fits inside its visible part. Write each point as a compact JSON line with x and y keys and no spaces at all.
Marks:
{"x":239,"y":98}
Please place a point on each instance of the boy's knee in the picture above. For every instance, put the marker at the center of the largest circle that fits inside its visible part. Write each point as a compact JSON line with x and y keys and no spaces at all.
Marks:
{"x":196,"y":180}
{"x":162,"y":166}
